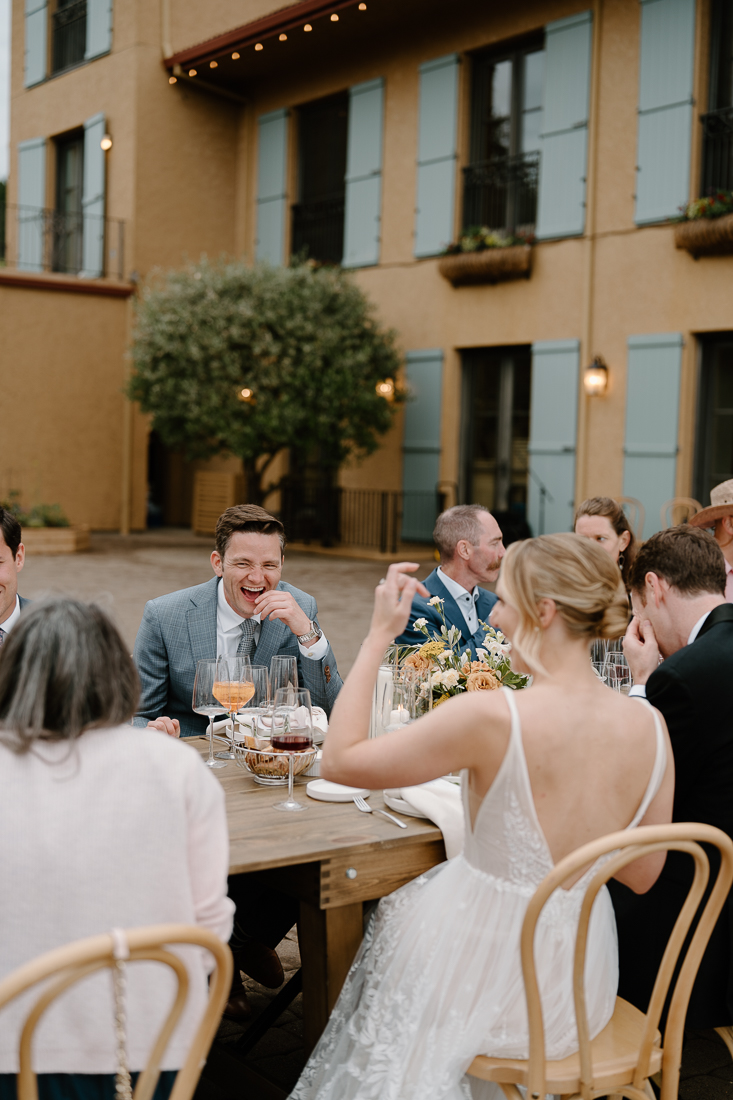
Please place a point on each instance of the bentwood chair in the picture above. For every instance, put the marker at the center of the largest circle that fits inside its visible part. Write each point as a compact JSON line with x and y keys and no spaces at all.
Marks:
{"x":64,"y":966}
{"x":679,"y":510}
{"x":634,"y":513}
{"x":629,"y":1050}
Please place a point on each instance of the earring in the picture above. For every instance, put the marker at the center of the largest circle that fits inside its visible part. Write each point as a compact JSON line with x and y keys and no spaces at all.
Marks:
{"x":621,"y":560}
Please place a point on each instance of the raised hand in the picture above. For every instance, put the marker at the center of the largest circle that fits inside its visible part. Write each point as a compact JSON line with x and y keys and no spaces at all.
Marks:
{"x":276,"y":604}
{"x":641,"y":649}
{"x":393,"y":599}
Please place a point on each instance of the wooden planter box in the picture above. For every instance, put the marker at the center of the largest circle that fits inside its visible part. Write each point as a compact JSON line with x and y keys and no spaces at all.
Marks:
{"x":705,"y":236}
{"x":493,"y":265}
{"x":56,"y":540}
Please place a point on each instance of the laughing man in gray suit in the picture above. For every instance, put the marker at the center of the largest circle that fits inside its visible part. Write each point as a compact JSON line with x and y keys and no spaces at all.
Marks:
{"x":246,"y":608}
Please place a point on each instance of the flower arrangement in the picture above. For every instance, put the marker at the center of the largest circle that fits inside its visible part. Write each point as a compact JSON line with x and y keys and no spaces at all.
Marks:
{"x":479,"y":237}
{"x":453,"y":672}
{"x":712,"y":206}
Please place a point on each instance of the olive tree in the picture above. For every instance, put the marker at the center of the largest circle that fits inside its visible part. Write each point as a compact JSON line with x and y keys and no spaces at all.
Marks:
{"x":245,"y":360}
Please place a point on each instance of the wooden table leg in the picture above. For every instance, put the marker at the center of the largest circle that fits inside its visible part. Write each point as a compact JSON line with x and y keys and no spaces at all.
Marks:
{"x":329,"y":939}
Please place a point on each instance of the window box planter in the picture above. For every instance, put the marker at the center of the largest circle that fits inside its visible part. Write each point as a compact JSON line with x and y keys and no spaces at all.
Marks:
{"x":492,"y":265}
{"x":56,"y":540}
{"x":705,"y":236}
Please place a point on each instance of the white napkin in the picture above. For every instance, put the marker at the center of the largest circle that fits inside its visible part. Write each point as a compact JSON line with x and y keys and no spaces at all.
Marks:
{"x":440,"y":801}
{"x":320,"y":723}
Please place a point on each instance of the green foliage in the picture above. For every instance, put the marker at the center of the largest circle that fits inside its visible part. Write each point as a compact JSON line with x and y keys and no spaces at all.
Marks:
{"x":302,"y":339}
{"x":712,"y":206}
{"x":40,"y":515}
{"x":479,"y":237}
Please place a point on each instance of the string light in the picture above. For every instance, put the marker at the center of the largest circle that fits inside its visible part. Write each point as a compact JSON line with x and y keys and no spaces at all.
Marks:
{"x":259,"y":46}
{"x":307,"y":27}
{"x":283,"y":38}
{"x":235,"y":56}
{"x":213,"y":64}
{"x":192,"y":72}
{"x":172,"y":80}
{"x":334,"y":18}
{"x":362,"y":7}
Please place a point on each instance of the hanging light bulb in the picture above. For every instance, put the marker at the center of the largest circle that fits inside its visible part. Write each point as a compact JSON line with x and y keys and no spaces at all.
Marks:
{"x":283,"y":38}
{"x":172,"y":80}
{"x":386,"y":389}
{"x":307,"y":27}
{"x":334,"y":18}
{"x":213,"y":64}
{"x":235,"y":56}
{"x":192,"y":72}
{"x":259,"y":46}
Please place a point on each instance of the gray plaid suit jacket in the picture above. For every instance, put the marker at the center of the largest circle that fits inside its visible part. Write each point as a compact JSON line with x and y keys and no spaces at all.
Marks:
{"x":179,"y":629}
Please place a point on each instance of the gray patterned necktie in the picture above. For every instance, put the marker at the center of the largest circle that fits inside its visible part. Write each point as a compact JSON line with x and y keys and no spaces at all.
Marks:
{"x":247,"y":641}
{"x":2,"y":636}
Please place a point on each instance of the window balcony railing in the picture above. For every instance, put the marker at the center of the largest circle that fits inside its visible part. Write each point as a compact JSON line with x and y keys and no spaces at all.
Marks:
{"x":502,"y":193}
{"x":717,"y":156}
{"x":318,"y":230}
{"x":69,"y":35}
{"x":375,"y":518}
{"x":71,"y":244}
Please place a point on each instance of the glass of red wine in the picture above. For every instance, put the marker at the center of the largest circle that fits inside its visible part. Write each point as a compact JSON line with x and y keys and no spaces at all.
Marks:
{"x":292,"y":732}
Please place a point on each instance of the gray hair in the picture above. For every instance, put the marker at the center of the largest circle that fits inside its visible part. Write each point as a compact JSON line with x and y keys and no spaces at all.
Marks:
{"x":64,"y":669}
{"x":461,"y":522}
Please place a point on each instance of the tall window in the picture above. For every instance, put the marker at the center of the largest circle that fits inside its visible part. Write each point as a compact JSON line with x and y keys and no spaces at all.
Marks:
{"x":496,"y":428}
{"x":718,"y":122}
{"x":67,"y":218}
{"x":715,"y":422}
{"x":318,"y":216}
{"x":69,"y":34}
{"x":500,"y":182}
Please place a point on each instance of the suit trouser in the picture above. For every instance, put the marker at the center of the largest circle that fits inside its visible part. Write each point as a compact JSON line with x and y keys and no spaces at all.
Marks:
{"x":262,"y":913}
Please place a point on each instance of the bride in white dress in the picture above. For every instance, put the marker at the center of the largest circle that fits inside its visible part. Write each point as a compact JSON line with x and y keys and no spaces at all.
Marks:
{"x":438,"y":979}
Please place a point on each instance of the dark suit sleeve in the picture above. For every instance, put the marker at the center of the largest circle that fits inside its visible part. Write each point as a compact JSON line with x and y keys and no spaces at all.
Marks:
{"x":670,"y":694}
{"x":151,"y":658}
{"x":420,"y":609}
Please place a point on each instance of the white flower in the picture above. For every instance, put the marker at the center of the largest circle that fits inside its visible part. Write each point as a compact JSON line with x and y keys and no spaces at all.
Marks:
{"x":436,"y":679}
{"x":435,"y":601}
{"x":481,"y":654}
{"x":420,"y":624}
{"x":453,"y":633}
{"x":450,"y":678}
{"x":442,"y":657}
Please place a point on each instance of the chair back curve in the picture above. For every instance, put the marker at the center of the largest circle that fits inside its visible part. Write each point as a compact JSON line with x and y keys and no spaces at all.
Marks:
{"x":64,"y":966}
{"x":623,"y":848}
{"x":687,"y":507}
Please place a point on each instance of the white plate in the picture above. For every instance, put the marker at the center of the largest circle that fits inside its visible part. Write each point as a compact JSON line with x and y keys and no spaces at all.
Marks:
{"x":324,"y":791}
{"x":401,"y":806}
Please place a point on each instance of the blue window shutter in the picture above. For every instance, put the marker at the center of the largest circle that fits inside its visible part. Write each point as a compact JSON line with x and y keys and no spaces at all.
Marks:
{"x":271,"y":186}
{"x":421,"y":445}
{"x":553,"y":419}
{"x":652,"y":419}
{"x":564,"y":137}
{"x":36,"y":41}
{"x":364,"y":174}
{"x":99,"y":28}
{"x":92,"y":198}
{"x":665,"y":108}
{"x":436,"y":155}
{"x":31,"y":201}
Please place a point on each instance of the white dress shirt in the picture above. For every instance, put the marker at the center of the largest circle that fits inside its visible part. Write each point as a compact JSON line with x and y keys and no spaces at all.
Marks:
{"x":12,"y":619}
{"x":466,"y":600}
{"x":229,"y":631}
{"x":639,"y":690}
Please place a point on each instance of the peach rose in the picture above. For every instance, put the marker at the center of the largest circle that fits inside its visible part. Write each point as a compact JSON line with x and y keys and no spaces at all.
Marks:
{"x":417,"y":661}
{"x":485,"y":680}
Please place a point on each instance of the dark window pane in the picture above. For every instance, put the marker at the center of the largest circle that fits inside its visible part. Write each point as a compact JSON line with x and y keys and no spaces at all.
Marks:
{"x":714,"y":461}
{"x":318,"y":217}
{"x":67,"y":224}
{"x":69,"y":34}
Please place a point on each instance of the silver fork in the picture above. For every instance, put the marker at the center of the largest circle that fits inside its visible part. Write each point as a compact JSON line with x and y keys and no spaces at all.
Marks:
{"x":366,"y":809}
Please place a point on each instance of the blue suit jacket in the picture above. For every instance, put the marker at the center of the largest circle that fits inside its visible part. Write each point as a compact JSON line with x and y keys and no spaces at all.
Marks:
{"x":23,"y":602}
{"x":421,"y":609}
{"x":179,"y":629}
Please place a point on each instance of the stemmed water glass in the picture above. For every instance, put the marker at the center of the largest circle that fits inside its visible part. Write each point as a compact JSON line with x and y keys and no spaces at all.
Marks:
{"x":617,"y":672}
{"x":283,"y":673}
{"x":233,"y":688}
{"x":292,"y":732}
{"x":205,"y":702}
{"x":598,"y":651}
{"x":260,"y":702}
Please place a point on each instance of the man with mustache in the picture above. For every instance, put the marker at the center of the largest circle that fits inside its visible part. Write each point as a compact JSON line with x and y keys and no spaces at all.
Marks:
{"x":469,"y":541}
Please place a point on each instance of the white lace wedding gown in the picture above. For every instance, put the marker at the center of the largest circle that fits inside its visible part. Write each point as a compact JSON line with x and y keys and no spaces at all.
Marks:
{"x":438,"y":979}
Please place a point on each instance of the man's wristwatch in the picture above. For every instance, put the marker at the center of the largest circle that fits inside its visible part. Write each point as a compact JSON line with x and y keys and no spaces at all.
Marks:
{"x":314,"y":632}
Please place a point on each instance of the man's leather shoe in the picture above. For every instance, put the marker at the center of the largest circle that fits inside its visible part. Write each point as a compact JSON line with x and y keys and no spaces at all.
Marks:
{"x":261,"y":963}
{"x":238,"y":1007}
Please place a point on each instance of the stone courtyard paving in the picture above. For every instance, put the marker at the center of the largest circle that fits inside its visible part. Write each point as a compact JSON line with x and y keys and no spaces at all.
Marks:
{"x":121,"y":574}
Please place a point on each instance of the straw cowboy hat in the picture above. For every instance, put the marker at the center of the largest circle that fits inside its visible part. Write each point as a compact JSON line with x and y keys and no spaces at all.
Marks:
{"x":721,"y":504}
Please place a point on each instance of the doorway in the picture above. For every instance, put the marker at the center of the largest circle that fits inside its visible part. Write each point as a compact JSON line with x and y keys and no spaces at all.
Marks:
{"x":714,"y":459}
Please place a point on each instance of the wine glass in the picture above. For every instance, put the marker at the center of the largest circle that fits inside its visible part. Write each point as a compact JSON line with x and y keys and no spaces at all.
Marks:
{"x":598,"y":651}
{"x":617,"y":672}
{"x":292,"y":732}
{"x":260,"y":701}
{"x":233,"y":688}
{"x":205,"y":702}
{"x":283,"y":673}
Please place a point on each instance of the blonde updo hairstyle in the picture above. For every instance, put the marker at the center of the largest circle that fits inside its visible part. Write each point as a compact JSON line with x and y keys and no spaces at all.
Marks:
{"x":581,"y":578}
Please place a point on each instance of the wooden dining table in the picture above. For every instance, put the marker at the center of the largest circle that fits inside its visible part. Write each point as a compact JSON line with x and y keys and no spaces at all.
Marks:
{"x":333,"y":858}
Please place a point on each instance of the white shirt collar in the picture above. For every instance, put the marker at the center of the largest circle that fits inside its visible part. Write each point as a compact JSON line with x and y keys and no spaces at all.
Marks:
{"x":697,"y":628}
{"x":10,"y":622}
{"x":457,"y":591}
{"x":227,"y":616}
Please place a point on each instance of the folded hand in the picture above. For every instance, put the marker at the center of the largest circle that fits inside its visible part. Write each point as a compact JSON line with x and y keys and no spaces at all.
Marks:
{"x":171,"y":726}
{"x":277,"y":604}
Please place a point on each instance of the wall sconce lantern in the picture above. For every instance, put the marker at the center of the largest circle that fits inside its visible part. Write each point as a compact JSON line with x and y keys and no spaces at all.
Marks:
{"x":595,"y":377}
{"x":386,"y":389}
{"x":247,"y":396}
{"x":106,"y":142}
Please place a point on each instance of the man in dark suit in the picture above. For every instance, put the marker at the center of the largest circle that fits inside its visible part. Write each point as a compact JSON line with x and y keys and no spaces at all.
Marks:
{"x":12,"y":559}
{"x":245,"y":609}
{"x":470,"y":544}
{"x":678,"y":597}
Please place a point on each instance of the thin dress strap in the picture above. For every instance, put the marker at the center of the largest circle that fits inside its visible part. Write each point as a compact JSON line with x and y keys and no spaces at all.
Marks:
{"x":660,"y":766}
{"x":516,"y":730}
